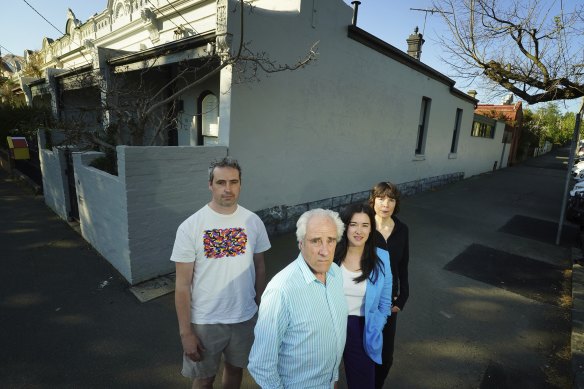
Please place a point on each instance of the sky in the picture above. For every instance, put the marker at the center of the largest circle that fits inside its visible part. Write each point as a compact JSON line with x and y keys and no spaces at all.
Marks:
{"x":393,"y":21}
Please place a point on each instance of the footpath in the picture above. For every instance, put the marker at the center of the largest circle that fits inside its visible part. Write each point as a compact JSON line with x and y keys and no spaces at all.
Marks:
{"x":490,"y":304}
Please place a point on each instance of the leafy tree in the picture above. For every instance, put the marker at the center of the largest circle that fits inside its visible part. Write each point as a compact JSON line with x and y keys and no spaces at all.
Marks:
{"x":529,"y":47}
{"x":6,"y":95}
{"x":33,"y":65}
{"x":21,"y":121}
{"x":547,"y":123}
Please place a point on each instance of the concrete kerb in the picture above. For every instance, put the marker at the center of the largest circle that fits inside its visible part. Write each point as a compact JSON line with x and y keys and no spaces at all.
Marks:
{"x":577,"y":338}
{"x":17,"y":175}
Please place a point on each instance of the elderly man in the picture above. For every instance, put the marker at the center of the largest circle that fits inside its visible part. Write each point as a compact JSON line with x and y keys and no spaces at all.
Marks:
{"x":302,"y":324}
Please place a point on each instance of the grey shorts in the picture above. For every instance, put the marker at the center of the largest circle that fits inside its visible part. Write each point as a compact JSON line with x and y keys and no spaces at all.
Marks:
{"x":233,"y":341}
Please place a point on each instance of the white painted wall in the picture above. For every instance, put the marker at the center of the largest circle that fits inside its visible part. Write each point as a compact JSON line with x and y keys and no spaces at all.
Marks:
{"x":103,"y":214}
{"x":131,"y":219}
{"x":55,"y":187}
{"x":480,"y":154}
{"x":55,"y":192}
{"x":164,"y":186}
{"x":128,"y":32}
{"x":344,"y":122}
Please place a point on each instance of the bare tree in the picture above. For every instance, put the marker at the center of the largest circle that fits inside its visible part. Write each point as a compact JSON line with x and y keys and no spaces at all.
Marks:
{"x":142,"y":112}
{"x":532,"y":48}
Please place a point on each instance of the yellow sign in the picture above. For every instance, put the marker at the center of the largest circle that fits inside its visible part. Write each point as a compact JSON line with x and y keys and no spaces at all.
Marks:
{"x":18,"y":147}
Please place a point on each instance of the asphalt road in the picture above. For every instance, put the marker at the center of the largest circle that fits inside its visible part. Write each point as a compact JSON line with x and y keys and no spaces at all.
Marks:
{"x":485,"y":311}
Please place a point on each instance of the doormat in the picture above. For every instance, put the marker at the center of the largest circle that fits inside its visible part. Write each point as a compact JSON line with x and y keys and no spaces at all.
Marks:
{"x":149,"y":290}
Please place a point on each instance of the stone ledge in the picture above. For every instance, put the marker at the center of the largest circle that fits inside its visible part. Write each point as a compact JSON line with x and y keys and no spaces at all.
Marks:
{"x":282,"y":218}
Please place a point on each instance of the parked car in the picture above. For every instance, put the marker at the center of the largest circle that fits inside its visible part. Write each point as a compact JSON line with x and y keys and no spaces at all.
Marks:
{"x":578,"y":171}
{"x":575,"y":208}
{"x":578,"y":188}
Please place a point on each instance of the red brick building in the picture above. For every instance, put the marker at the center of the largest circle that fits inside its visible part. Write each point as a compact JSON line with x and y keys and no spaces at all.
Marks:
{"x":512,"y":114}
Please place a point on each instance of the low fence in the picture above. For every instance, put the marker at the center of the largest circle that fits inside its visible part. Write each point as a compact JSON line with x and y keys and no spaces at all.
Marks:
{"x":131,"y":219}
{"x":546,"y":148}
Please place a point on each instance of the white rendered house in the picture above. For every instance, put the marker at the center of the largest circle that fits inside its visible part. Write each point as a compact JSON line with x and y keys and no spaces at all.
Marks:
{"x":363,"y":112}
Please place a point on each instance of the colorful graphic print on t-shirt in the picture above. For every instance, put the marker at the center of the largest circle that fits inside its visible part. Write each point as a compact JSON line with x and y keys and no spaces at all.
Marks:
{"x":220,"y":243}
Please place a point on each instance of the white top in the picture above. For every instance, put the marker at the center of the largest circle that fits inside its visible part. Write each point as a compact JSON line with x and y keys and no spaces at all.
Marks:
{"x":354,"y":293}
{"x":222,"y":247}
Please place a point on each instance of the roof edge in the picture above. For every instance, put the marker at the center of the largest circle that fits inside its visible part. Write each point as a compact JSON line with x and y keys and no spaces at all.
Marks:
{"x":398,"y":55}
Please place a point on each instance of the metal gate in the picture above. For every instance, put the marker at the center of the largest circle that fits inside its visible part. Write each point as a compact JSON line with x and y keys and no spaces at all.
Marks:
{"x":73,"y":207}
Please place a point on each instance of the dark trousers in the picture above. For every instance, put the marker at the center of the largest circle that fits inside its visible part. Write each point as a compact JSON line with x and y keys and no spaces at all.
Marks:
{"x":381,"y":371}
{"x":359,"y":368}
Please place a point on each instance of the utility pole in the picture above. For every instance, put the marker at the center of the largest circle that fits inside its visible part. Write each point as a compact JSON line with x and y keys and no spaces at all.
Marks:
{"x":573,"y":148}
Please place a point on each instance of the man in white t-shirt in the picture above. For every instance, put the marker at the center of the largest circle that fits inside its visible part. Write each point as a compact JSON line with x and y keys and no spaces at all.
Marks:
{"x":220,"y":277}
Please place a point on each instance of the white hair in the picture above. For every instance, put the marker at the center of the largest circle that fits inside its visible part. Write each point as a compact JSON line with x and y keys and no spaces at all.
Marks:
{"x":306,"y":216}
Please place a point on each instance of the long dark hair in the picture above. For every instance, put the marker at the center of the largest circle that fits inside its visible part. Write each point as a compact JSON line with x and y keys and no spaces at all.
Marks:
{"x":370,"y":262}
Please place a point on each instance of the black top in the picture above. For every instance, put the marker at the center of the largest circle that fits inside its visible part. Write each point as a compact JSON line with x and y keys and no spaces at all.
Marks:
{"x":399,"y":256}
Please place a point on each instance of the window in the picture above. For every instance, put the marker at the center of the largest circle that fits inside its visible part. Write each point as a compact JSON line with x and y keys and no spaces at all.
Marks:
{"x":208,"y":117}
{"x":483,"y":127}
{"x":423,"y":126}
{"x":456,"y":131}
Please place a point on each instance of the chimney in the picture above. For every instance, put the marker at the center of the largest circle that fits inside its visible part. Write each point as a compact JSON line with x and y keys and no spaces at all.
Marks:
{"x":507,"y":99}
{"x":472,"y":93}
{"x":415,"y":42}
{"x":355,"y":11}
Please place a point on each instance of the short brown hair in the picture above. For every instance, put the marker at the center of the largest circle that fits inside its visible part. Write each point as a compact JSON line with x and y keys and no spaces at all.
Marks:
{"x":225,"y":162}
{"x":385,"y":189}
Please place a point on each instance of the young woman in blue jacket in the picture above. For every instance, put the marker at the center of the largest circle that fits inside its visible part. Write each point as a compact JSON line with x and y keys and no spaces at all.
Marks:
{"x":367,"y":286}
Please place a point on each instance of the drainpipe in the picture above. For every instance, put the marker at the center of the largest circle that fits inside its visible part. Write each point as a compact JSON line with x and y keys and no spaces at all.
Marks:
{"x":355,"y":11}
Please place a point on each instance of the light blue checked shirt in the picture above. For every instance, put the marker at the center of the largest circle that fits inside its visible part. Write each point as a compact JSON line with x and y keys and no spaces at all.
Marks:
{"x":301,"y":330}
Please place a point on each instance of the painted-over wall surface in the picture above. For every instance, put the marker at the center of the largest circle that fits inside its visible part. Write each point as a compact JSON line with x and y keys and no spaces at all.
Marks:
{"x":164,"y":186}
{"x":344,"y":122}
{"x":55,"y":191}
{"x":131,"y":219}
{"x":53,"y":164}
{"x":103,"y":216}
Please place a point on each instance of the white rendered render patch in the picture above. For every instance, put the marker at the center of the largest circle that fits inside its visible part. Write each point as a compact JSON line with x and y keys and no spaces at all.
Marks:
{"x":278,"y":5}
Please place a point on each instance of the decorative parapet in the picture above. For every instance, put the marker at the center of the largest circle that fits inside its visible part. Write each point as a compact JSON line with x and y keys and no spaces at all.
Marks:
{"x":223,"y":41}
{"x":150,"y":23}
{"x":282,"y":218}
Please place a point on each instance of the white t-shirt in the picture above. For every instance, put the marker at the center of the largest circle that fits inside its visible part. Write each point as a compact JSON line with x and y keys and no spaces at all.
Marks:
{"x":222,"y":247}
{"x":354,"y":293}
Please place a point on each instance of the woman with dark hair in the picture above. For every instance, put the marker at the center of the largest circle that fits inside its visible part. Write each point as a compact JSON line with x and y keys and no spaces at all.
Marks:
{"x":367,"y":286}
{"x":391,"y":235}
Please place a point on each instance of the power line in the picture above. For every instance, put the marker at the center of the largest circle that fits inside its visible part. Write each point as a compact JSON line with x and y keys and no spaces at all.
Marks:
{"x":7,"y":50}
{"x":177,"y":26}
{"x":41,"y":15}
{"x":176,"y":10}
{"x":52,"y":25}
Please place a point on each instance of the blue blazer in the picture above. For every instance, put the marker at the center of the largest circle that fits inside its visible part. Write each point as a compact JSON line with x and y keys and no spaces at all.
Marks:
{"x":377,"y":308}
